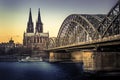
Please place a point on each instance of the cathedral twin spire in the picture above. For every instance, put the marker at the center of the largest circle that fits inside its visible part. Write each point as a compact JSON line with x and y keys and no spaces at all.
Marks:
{"x":39,"y":25}
{"x":30,"y":28}
{"x":30,"y":16}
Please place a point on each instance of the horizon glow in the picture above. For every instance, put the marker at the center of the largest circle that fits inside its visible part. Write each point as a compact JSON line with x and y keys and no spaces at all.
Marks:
{"x":14,"y":14}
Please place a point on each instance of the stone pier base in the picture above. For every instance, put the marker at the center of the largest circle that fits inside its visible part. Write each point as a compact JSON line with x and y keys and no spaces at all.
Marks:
{"x":54,"y":57}
{"x":97,"y":61}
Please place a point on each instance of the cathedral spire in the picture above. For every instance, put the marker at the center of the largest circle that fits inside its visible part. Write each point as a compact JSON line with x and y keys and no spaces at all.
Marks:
{"x":30,"y":16}
{"x":30,"y":28}
{"x":39,"y":16}
{"x":39,"y":25}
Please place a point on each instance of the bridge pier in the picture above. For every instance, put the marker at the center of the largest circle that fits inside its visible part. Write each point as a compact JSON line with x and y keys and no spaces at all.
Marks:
{"x":77,"y":56}
{"x":97,"y":61}
{"x":106,"y":60}
{"x":58,"y":56}
{"x":92,"y":60}
{"x":84,"y":56}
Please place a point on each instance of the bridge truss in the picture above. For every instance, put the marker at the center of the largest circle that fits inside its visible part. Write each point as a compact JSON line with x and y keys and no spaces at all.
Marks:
{"x":78,"y":28}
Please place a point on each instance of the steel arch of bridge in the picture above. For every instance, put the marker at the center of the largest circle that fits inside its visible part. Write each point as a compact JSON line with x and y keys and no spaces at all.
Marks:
{"x":110,"y":25}
{"x":76,"y":28}
{"x":52,"y":42}
{"x":84,"y":28}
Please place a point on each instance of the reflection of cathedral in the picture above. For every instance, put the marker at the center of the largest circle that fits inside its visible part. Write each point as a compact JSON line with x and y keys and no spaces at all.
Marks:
{"x":35,"y":40}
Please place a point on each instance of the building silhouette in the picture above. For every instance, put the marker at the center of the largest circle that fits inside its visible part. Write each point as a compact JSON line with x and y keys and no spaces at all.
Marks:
{"x":34,"y":38}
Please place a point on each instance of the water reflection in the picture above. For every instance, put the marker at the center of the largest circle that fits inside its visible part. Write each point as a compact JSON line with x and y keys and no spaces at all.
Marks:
{"x":39,"y":71}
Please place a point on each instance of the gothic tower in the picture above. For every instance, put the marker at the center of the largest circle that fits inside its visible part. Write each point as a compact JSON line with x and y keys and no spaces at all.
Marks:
{"x":30,"y":27}
{"x":39,"y":25}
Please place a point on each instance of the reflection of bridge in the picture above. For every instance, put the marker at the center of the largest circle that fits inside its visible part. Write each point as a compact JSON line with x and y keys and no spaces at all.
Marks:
{"x":92,"y":32}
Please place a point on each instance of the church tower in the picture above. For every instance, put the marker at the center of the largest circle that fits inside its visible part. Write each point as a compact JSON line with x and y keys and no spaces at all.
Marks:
{"x":35,"y":40}
{"x":30,"y":27}
{"x":39,"y":25}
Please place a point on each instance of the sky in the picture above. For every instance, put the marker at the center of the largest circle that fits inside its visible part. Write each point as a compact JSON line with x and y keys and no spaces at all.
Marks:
{"x":14,"y":14}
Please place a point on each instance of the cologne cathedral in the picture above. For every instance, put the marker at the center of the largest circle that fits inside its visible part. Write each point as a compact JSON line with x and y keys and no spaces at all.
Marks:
{"x":35,"y":39}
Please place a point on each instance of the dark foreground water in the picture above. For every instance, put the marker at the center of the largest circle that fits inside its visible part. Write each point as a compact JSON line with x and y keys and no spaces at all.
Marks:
{"x":50,"y":71}
{"x":39,"y":71}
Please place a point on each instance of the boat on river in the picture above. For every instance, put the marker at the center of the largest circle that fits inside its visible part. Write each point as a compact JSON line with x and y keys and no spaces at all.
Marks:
{"x":31,"y":59}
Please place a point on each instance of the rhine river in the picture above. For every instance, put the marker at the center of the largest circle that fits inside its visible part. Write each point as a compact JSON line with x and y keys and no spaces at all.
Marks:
{"x":47,"y":71}
{"x":40,"y":71}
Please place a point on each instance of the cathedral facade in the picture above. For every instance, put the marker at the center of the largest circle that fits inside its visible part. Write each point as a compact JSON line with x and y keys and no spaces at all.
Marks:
{"x":35,"y":39}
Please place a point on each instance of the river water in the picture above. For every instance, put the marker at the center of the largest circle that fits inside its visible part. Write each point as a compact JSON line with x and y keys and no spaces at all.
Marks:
{"x":40,"y":71}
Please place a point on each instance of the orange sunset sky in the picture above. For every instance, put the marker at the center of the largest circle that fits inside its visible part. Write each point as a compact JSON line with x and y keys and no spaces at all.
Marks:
{"x":14,"y":14}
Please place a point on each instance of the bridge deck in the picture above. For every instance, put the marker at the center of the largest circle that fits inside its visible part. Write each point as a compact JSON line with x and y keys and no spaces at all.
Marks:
{"x":107,"y":41}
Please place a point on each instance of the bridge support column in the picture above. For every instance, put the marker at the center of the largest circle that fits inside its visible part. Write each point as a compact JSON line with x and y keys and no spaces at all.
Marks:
{"x":84,"y":56}
{"x":97,"y":61}
{"x":88,"y":60}
{"x":77,"y":56}
{"x":55,"y":56}
{"x":106,"y":60}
